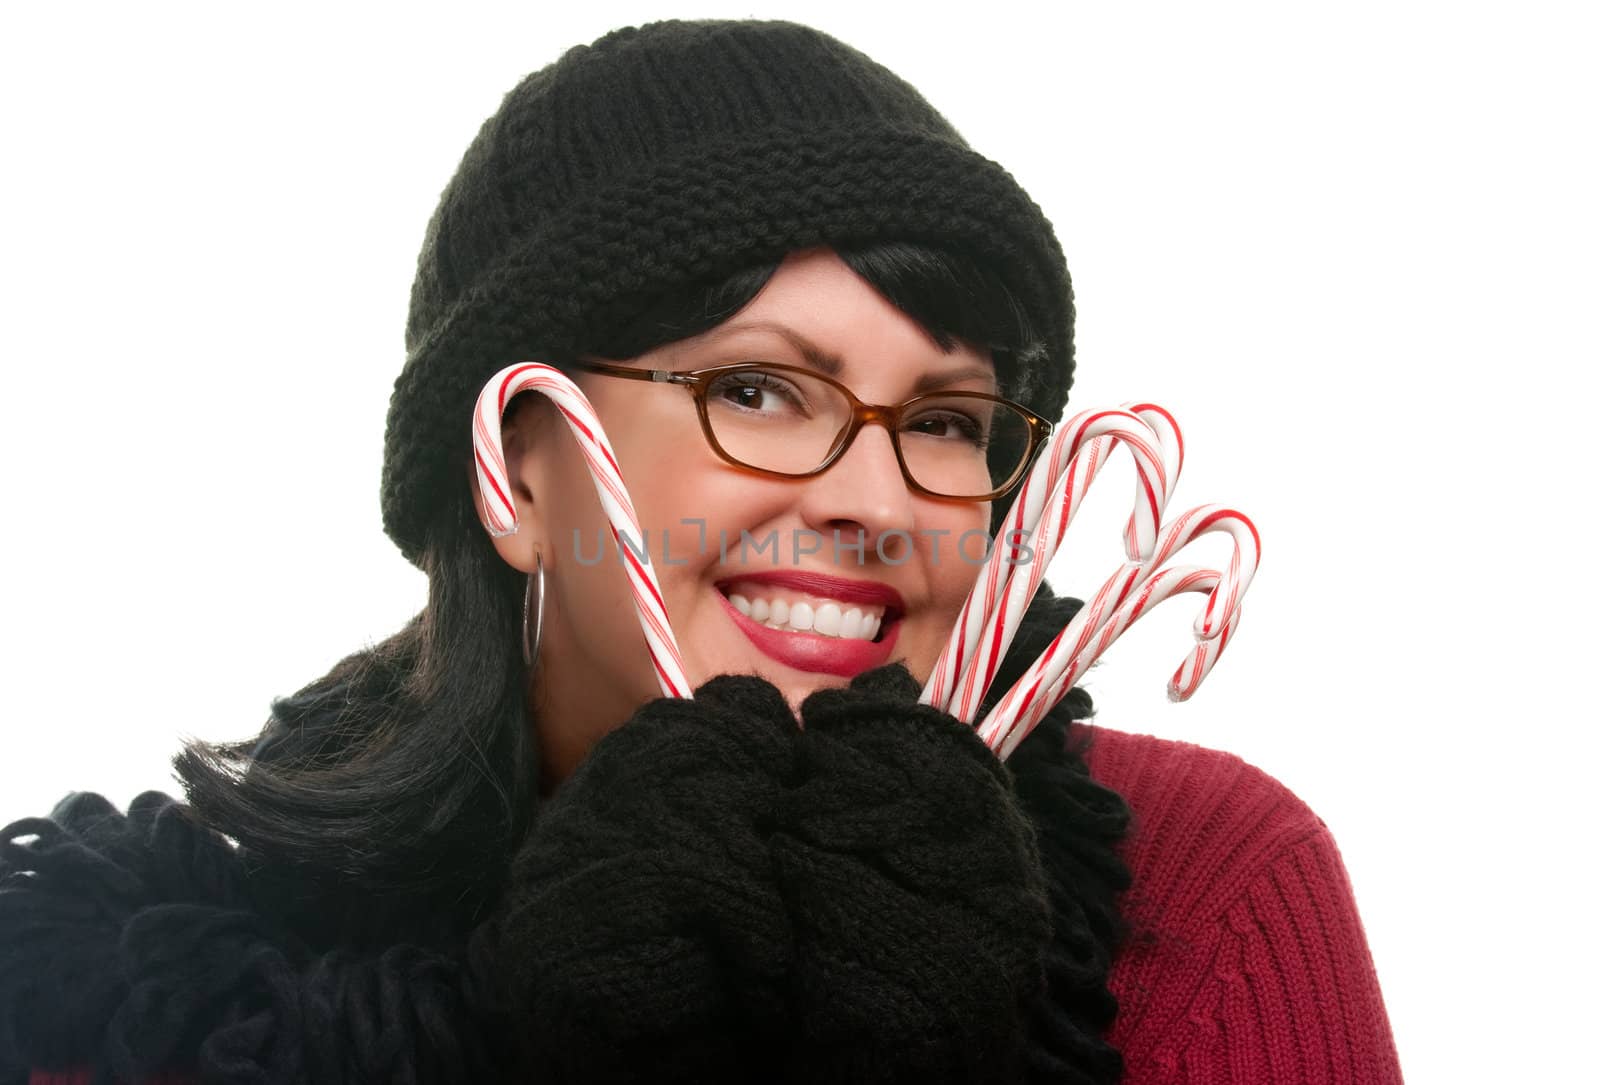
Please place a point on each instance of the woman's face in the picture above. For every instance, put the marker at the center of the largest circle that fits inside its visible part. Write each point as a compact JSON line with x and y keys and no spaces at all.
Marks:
{"x":716,"y":531}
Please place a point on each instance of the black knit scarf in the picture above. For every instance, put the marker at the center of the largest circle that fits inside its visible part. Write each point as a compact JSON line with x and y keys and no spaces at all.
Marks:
{"x":140,"y":941}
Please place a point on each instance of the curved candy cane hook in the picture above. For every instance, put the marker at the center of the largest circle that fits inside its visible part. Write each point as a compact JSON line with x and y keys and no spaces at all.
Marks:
{"x":1169,"y":438}
{"x":1013,"y":718}
{"x":500,"y":514}
{"x":1050,"y":497}
{"x":1069,"y":655}
{"x":1241,"y":567}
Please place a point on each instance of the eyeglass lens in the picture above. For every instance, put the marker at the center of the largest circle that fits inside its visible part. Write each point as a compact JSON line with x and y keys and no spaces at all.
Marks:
{"x":954,"y":445}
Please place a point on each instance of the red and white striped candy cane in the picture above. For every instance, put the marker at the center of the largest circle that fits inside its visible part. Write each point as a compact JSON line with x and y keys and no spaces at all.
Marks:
{"x":500,"y":514}
{"x":1201,"y":658}
{"x":1241,"y":566}
{"x":1224,"y":601}
{"x":1003,"y":730}
{"x":1168,"y":436}
{"x":1096,"y":611}
{"x":1050,"y":497}
{"x":1069,"y":655}
{"x":985,"y":599}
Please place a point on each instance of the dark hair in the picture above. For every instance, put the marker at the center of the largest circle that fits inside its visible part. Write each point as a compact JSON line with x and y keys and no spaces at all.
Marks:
{"x":389,"y":794}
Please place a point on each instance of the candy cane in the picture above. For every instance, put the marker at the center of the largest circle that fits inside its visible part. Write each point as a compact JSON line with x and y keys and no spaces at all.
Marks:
{"x":992,"y":613}
{"x":1092,"y":615}
{"x":1193,"y":670}
{"x":1222,"y":608}
{"x":500,"y":514}
{"x":1174,"y":537}
{"x":1241,"y":567}
{"x":1168,"y":436}
{"x":1002,"y":730}
{"x":1050,"y":497}
{"x":1050,"y":678}
{"x":953,"y":672}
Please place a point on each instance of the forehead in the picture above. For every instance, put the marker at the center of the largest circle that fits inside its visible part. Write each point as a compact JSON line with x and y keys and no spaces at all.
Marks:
{"x":815,"y":311}
{"x":953,"y":367}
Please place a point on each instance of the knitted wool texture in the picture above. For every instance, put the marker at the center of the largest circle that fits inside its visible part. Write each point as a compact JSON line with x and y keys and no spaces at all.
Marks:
{"x":713,"y":896}
{"x":677,"y":154}
{"x":870,"y":878}
{"x":131,"y":946}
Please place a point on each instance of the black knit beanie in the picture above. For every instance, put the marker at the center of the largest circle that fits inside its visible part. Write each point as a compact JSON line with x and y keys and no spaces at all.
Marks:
{"x":674,"y":154}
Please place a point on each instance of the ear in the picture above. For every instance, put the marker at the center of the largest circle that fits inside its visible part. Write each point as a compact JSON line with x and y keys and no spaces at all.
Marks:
{"x":524,"y":435}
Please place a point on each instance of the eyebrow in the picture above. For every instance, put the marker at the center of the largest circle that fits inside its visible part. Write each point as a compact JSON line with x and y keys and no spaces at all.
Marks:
{"x":831,"y":365}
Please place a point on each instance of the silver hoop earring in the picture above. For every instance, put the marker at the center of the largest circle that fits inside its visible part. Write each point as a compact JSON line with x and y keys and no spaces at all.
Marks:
{"x":534,"y":610}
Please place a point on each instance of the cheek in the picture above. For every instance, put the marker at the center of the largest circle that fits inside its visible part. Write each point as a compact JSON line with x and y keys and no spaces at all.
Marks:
{"x":954,"y":568}
{"x":694,"y":514}
{"x":688,"y":502}
{"x":950,"y":570}
{"x":683,"y":505}
{"x":595,"y":599}
{"x":670,"y":472}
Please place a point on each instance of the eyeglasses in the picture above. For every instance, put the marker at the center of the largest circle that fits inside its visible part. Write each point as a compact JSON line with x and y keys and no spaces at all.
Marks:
{"x":795,"y":423}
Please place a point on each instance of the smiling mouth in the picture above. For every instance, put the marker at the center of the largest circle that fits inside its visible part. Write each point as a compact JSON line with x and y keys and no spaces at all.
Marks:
{"x":789,"y":611}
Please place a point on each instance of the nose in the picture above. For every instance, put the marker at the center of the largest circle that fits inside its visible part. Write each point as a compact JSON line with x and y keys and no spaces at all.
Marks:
{"x":863,"y":495}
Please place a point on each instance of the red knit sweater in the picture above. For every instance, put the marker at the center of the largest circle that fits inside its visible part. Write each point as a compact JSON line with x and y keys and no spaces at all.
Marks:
{"x":1246,"y":961}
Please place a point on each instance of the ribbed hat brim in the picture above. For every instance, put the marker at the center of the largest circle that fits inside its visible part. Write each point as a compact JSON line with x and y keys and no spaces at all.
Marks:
{"x":716,"y":207}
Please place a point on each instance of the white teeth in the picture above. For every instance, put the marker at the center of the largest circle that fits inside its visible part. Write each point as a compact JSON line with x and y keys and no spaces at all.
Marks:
{"x":801,"y":617}
{"x":851,"y":626}
{"x":828,"y":619}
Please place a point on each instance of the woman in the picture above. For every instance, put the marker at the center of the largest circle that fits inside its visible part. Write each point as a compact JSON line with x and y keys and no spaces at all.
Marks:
{"x":486,"y":850}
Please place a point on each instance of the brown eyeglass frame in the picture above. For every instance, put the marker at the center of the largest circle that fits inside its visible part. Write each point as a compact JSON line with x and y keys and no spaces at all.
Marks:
{"x":698,"y":381}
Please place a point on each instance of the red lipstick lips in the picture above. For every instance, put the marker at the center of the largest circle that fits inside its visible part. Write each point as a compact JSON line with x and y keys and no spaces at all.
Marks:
{"x":815,"y":652}
{"x":834,"y":587}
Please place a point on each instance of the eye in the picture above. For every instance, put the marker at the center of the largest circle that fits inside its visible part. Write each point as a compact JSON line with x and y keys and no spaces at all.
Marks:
{"x":950,"y":425}
{"x":757,"y":391}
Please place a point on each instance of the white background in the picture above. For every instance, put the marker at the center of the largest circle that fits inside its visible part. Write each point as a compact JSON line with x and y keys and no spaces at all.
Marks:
{"x":1352,"y":246}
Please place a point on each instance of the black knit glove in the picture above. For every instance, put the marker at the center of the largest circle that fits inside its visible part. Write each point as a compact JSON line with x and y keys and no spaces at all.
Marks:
{"x":716,"y":895}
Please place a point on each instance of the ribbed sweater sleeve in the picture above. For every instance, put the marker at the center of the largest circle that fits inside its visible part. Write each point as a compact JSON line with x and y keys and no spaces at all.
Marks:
{"x":1247,"y":961}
